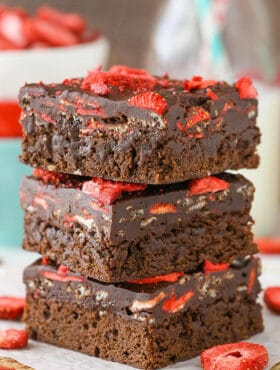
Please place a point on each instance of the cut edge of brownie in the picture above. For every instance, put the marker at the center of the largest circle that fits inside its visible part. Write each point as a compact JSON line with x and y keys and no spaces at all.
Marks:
{"x":139,"y":143}
{"x":87,"y":324}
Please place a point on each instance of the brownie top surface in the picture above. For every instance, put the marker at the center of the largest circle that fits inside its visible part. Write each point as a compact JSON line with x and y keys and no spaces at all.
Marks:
{"x":160,"y":298}
{"x":123,"y":90}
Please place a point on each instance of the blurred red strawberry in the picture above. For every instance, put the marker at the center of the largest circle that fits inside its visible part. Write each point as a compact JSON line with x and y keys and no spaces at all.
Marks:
{"x":11,"y":27}
{"x":9,"y":119}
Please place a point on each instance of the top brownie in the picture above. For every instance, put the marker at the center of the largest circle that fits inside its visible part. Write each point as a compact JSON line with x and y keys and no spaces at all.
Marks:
{"x":127,"y":125}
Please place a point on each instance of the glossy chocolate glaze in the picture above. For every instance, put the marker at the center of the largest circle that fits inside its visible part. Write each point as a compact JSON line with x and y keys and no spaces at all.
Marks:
{"x":127,"y":218}
{"x":84,"y":130}
{"x":146,"y":302}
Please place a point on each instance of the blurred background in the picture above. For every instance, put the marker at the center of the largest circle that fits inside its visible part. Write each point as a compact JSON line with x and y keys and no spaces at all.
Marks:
{"x":221,"y":39}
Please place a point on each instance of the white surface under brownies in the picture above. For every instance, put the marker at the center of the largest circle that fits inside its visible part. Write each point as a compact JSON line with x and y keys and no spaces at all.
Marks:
{"x":44,"y":357}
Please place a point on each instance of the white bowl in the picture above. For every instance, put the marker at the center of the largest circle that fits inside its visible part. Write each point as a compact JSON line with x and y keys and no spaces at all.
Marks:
{"x":48,"y":64}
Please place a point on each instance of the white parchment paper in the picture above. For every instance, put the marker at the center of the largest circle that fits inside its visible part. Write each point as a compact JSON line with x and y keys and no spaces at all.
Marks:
{"x":46,"y":357}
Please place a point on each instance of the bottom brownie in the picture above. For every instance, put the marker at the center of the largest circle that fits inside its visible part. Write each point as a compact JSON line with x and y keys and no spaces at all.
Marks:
{"x":146,"y":326}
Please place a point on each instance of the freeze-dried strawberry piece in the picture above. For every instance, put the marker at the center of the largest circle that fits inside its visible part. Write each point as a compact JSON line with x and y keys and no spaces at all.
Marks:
{"x":209,"y":267}
{"x":106,"y":192}
{"x":252,"y":279}
{"x":195,"y":115}
{"x":272,"y":298}
{"x":175,"y":304}
{"x":13,"y":339}
{"x":149,"y":100}
{"x":49,"y":177}
{"x":11,"y":308}
{"x":72,"y":21}
{"x":121,"y":77}
{"x":11,"y":27}
{"x":269,"y":245}
{"x":61,"y":275}
{"x":209,"y":184}
{"x":246,"y":89}
{"x":53,"y":34}
{"x":44,"y":261}
{"x":211,"y":94}
{"x":162,"y":208}
{"x":197,"y":82}
{"x":124,"y":70}
{"x":168,"y":278}
{"x":235,"y":356}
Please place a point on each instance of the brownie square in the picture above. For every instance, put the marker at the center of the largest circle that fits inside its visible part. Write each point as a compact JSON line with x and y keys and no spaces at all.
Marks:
{"x":144,"y":325}
{"x":98,"y":230}
{"x":126,"y":125}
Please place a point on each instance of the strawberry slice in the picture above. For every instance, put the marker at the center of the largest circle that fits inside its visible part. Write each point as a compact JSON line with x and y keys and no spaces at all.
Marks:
{"x":175,"y":304}
{"x":168,"y":278}
{"x":246,"y":89}
{"x":209,"y":184}
{"x":11,"y":308}
{"x":127,"y":71}
{"x":211,"y":94}
{"x":7,"y":45}
{"x":9,"y":118}
{"x":61,"y":275}
{"x":209,"y":267}
{"x":162,"y":208}
{"x":268,"y":245}
{"x":197,"y":82}
{"x":151,"y":101}
{"x":49,"y":177}
{"x":53,"y":34}
{"x":73,"y":21}
{"x":106,"y":192}
{"x":272,"y":298}
{"x":235,"y":356}
{"x":13,"y":339}
{"x":11,"y":27}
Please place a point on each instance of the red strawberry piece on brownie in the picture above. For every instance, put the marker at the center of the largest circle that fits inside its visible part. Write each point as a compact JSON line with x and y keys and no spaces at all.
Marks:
{"x":13,"y":339}
{"x":209,"y":267}
{"x":209,"y":184}
{"x":11,"y":308}
{"x":167,"y":278}
{"x":235,"y":356}
{"x":175,"y":304}
{"x":272,"y":298}
{"x":151,"y":101}
{"x":246,"y":88}
{"x":106,"y":192}
{"x":197,"y":82}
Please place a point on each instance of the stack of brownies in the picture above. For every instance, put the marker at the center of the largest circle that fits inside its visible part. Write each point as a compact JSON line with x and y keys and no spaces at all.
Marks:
{"x":146,"y":243}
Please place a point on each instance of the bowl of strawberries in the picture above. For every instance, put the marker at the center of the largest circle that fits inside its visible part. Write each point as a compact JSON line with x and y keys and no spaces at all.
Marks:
{"x":50,"y":45}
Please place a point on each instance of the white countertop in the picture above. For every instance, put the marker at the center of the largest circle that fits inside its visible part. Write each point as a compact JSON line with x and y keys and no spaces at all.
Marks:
{"x":45,"y":357}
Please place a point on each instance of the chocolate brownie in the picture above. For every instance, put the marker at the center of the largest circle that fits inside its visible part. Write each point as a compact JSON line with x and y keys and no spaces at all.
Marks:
{"x":127,"y":125}
{"x":145,"y":325}
{"x":97,"y":228}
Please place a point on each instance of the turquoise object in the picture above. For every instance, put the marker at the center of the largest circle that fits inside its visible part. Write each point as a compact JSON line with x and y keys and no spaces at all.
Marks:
{"x":11,"y":172}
